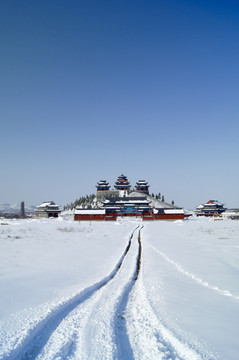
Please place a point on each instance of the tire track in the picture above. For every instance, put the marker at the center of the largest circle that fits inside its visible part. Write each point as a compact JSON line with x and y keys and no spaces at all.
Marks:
{"x":89,"y":332}
{"x":33,"y":344}
{"x":112,"y":319}
{"x":124,"y":349}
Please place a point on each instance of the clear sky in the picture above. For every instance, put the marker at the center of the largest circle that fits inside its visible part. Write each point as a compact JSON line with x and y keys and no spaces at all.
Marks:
{"x":92,"y":89}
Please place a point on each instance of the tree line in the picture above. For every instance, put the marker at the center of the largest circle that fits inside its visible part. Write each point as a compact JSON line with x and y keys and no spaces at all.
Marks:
{"x":83,"y":201}
{"x":87,"y":202}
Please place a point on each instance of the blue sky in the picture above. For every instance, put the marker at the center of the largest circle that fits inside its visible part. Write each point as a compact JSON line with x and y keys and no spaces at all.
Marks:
{"x":91,"y":89}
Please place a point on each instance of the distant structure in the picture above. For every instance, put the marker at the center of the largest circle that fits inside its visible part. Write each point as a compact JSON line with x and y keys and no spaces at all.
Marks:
{"x":211,"y":208}
{"x":48,"y":209}
{"x":142,"y":187}
{"x":121,"y":203}
{"x":22,"y":210}
{"x":232,"y":214}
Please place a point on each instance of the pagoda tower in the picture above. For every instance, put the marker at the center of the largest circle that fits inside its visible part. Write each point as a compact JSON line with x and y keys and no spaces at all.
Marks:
{"x":103,"y":185}
{"x":142,"y":187}
{"x":22,"y":210}
{"x":122,"y":183}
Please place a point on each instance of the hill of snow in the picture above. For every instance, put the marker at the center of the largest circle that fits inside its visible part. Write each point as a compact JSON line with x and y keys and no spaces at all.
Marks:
{"x":154,"y":202}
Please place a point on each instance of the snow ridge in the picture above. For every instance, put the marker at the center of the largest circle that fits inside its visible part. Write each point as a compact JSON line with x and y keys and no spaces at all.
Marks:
{"x":196,"y":278}
{"x":112,"y":319}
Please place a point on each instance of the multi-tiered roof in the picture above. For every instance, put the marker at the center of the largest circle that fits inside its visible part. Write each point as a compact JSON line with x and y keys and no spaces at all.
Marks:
{"x":142,"y":186}
{"x":122,"y":183}
{"x":212,"y":207}
{"x":103,"y":185}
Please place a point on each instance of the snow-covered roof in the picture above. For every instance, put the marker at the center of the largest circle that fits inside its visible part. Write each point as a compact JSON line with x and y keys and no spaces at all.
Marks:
{"x":89,"y":212}
{"x":169,"y":211}
{"x":123,"y":184}
{"x":44,"y":204}
{"x":128,"y":201}
{"x":142,"y":182}
{"x":209,"y":205}
{"x":174,"y":211}
{"x":200,"y":206}
{"x":144,"y":201}
{"x":213,"y":202}
{"x":47,"y":205}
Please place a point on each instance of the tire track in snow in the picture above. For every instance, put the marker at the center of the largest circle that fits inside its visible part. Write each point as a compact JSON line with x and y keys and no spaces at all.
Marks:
{"x":195,"y":278}
{"x":124,"y":349}
{"x":39,"y":336}
{"x":93,"y":325}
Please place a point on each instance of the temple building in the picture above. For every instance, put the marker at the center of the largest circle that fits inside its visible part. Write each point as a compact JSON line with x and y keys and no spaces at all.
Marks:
{"x":122,"y":183}
{"x":127,"y":206}
{"x":142,"y":187}
{"x":48,"y":209}
{"x":103,"y":190}
{"x":103,"y":185}
{"x":211,"y":208}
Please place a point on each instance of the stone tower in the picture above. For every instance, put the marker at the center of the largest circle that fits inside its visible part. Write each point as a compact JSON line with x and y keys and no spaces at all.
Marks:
{"x":22,"y":210}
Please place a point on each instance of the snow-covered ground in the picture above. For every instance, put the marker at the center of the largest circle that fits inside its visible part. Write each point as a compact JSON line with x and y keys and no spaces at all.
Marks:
{"x":119,"y":290}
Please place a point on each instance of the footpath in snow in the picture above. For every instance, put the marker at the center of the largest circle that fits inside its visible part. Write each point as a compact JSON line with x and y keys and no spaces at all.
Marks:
{"x":123,"y":290}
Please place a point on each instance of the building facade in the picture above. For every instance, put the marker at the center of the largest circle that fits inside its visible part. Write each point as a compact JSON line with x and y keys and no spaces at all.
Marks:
{"x":211,"y":208}
{"x":48,"y":209}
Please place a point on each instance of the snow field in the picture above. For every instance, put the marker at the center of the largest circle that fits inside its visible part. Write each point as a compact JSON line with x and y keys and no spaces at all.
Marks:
{"x":124,"y":290}
{"x":93,"y":261}
{"x":196,"y":264}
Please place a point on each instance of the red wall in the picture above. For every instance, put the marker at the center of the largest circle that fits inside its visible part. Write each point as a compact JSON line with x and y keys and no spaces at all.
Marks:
{"x":89,"y":217}
{"x":113,"y":217}
{"x":168,"y":216}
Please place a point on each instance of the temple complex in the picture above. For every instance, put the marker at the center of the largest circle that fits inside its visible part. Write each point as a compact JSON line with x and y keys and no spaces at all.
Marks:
{"x":119,"y":203}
